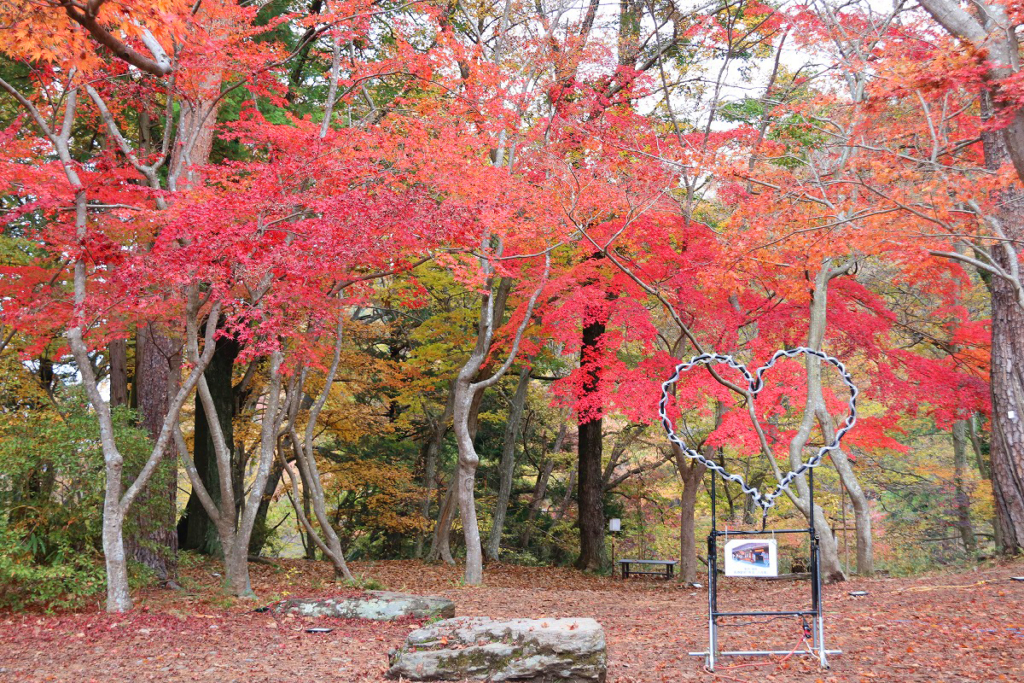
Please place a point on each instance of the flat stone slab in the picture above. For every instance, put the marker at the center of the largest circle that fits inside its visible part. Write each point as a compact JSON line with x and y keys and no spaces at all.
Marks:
{"x":480,"y":648}
{"x":376,"y":605}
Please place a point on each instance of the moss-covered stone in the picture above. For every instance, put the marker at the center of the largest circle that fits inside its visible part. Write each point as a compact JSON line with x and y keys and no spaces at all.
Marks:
{"x":376,"y":605}
{"x":479,"y":648}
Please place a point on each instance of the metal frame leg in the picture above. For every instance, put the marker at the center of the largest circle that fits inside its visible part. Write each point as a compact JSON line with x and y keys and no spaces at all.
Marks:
{"x":818,"y":624}
{"x":712,"y":582}
{"x":815,"y":630}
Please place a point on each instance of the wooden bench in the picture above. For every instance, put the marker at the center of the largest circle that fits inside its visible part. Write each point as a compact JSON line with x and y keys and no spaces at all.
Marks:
{"x":668,"y":573}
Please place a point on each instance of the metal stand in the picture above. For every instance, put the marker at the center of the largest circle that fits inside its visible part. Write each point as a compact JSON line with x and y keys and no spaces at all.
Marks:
{"x":816,"y":632}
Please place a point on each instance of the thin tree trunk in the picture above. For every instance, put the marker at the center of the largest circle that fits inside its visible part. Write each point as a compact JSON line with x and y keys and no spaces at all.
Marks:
{"x":961,"y":497}
{"x":234,"y":530}
{"x":861,"y":507}
{"x":985,"y":471}
{"x":329,"y":543}
{"x":433,"y":449}
{"x":539,"y":490}
{"x":691,"y":473}
{"x":307,"y":532}
{"x":730,"y":498}
{"x":261,"y":530}
{"x":441,"y":542}
{"x":440,"y":546}
{"x":468,"y":392}
{"x":750,"y":508}
{"x":541,"y":487}
{"x":202,"y":532}
{"x":830,"y":564}
{"x":507,"y":465}
{"x":570,"y":487}
{"x":429,"y":460}
{"x":466,"y":478}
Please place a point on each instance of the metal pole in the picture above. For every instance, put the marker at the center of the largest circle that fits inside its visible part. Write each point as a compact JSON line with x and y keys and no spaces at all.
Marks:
{"x":712,"y":580}
{"x":815,"y":569}
{"x":819,"y":623}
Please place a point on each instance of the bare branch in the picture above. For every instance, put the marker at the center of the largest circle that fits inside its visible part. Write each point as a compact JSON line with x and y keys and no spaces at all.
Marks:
{"x":160,"y":66}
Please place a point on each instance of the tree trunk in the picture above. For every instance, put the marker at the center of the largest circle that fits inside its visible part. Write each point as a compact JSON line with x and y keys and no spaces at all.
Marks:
{"x":441,"y":545}
{"x":305,"y":456}
{"x":154,"y":542}
{"x":117,"y":501}
{"x":541,"y":487}
{"x":197,"y":124}
{"x":329,"y":543}
{"x":432,"y":449}
{"x":118,"y":597}
{"x":962,"y":499}
{"x":861,"y":507}
{"x":469,"y":393}
{"x":570,"y":486}
{"x":985,"y":470}
{"x":234,"y":530}
{"x":466,"y":480}
{"x":998,"y":51}
{"x":1007,"y":447}
{"x":441,"y":542}
{"x":308,"y":542}
{"x":539,"y":490}
{"x":236,"y":565}
{"x":202,"y":534}
{"x":507,"y":466}
{"x":1006,"y":375}
{"x":590,"y":497}
{"x":750,"y":508}
{"x":261,"y":530}
{"x":691,"y":473}
{"x":118,"y":350}
{"x":814,"y":408}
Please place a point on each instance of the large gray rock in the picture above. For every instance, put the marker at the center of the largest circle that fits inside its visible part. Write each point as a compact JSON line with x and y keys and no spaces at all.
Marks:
{"x":378,"y":605}
{"x":480,"y":648}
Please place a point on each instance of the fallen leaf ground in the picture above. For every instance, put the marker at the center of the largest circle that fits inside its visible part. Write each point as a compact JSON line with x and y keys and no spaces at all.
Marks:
{"x":942,"y":627}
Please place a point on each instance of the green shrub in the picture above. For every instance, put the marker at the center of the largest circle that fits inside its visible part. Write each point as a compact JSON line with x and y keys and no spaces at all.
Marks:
{"x":51,"y":500}
{"x":65,"y":579}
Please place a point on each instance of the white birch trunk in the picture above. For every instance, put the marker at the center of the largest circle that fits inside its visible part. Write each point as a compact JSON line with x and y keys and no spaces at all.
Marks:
{"x":117,"y":501}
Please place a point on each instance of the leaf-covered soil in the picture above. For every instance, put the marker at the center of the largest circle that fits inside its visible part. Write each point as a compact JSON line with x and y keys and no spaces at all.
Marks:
{"x":941,"y":627}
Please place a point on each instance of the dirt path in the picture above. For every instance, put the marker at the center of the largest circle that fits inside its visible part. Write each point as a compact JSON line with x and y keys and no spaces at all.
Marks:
{"x":938,"y":628}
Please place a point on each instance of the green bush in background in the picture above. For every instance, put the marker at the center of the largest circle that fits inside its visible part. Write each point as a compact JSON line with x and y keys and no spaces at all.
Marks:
{"x":51,"y":499}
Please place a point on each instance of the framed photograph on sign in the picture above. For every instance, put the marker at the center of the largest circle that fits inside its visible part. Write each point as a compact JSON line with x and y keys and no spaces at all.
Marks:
{"x":752,"y":557}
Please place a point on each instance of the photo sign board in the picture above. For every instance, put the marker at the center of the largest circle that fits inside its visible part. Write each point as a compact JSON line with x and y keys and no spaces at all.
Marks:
{"x":752,"y":557}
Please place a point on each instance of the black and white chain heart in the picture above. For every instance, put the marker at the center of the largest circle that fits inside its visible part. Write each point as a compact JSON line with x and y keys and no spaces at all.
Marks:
{"x":756,"y":384}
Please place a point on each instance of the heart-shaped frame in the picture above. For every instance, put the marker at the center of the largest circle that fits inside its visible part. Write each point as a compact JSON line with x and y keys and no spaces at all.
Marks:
{"x":755,"y":383}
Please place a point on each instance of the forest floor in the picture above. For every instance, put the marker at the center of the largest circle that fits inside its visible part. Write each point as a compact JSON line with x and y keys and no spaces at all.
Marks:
{"x":940,"y":627}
